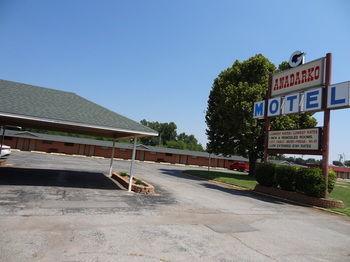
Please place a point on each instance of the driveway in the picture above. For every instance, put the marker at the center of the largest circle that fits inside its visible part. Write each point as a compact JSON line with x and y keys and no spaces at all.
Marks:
{"x":63,"y":208}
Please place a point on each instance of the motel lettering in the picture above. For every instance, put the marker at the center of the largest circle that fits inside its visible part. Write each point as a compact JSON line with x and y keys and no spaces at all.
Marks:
{"x":299,"y":78}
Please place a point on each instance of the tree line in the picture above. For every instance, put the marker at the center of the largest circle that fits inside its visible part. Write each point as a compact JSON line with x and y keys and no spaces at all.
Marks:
{"x":168,"y":137}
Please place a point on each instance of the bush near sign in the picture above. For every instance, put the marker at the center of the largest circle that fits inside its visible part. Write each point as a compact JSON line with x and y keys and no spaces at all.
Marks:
{"x":302,"y":139}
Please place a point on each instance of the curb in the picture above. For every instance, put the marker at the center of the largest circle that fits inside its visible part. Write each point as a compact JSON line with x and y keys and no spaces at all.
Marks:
{"x":267,"y":195}
{"x":218,"y":183}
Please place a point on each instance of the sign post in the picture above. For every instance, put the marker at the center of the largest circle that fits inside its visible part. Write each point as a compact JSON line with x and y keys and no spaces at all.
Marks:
{"x":326,"y":121}
{"x":267,"y":120}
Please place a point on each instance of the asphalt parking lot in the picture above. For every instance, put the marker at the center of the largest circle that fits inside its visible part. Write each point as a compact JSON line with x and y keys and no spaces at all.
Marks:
{"x":64,"y":208}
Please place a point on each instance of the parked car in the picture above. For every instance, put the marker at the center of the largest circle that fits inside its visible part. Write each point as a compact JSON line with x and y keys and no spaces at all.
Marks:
{"x":240,"y":166}
{"x":5,"y":152}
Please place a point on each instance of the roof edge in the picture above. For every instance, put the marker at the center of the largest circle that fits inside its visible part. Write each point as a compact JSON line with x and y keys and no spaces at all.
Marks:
{"x":54,"y":121}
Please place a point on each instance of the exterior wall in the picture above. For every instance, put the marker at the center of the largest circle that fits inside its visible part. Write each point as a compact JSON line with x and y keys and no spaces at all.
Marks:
{"x":198,"y":161}
{"x":123,"y":153}
{"x":183,"y":159}
{"x":150,"y":156}
{"x":26,"y":144}
{"x":103,"y":151}
{"x":221,"y":163}
{"x":10,"y":141}
{"x":29,"y":144}
{"x":56,"y":147}
{"x":343,"y":175}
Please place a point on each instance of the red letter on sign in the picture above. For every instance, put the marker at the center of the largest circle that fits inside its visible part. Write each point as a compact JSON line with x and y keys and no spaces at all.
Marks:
{"x":317,"y":72}
{"x":309,"y":72}
{"x":303,"y":78}
{"x":291,"y":80}
{"x":286,"y":82}
{"x":281,"y":82}
{"x":297,"y":79}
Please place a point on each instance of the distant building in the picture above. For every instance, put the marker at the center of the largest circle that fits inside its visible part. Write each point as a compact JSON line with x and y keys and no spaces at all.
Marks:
{"x":30,"y":141}
{"x":341,"y":171}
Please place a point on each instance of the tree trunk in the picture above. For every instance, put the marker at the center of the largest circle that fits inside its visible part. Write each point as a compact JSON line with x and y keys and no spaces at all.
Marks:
{"x":252,"y":165}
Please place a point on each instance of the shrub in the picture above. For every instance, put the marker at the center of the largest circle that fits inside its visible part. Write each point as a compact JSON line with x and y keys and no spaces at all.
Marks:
{"x":124,"y":174}
{"x":139,"y":182}
{"x":332,"y":178}
{"x":311,"y":182}
{"x":285,"y":177}
{"x":265,"y":174}
{"x":299,"y":180}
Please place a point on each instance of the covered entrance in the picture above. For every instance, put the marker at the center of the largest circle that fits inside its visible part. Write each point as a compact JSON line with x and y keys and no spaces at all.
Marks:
{"x":41,"y":108}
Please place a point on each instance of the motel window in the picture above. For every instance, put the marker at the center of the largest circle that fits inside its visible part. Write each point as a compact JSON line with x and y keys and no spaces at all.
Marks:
{"x":122,"y":149}
{"x":153,"y":153}
{"x":47,"y":142}
{"x":168,"y":154}
{"x":8,"y":138}
{"x":193,"y":157}
{"x":69,"y":144}
{"x":104,"y":147}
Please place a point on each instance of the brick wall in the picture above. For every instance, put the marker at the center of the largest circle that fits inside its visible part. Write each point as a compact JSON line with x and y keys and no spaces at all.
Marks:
{"x":103,"y":151}
{"x":89,"y":150}
{"x":150,"y":156}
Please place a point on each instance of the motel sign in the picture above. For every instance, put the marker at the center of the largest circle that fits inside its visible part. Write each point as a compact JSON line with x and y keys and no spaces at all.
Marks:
{"x":302,"y":88}
{"x":308,"y":101}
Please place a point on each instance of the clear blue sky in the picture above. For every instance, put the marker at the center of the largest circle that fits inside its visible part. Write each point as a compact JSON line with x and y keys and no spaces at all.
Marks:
{"x":157,"y":59}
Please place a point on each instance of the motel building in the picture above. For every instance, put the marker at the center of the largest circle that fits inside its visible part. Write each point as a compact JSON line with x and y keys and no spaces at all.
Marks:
{"x":36,"y":107}
{"x":38,"y":142}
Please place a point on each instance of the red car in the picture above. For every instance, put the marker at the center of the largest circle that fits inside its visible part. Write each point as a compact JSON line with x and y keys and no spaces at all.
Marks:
{"x":240,"y":166}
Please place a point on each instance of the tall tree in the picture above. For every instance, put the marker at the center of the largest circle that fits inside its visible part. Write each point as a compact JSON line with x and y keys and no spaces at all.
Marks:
{"x":231,"y":126}
{"x":167,"y":132}
{"x":168,"y":137}
{"x":184,"y":141}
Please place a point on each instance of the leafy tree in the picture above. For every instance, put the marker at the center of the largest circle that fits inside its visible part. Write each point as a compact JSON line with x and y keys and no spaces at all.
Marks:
{"x":229,"y":117}
{"x":167,"y":132}
{"x":188,"y":144}
{"x":168,"y":137}
{"x":347,"y":162}
{"x":176,"y":144}
{"x":190,"y":141}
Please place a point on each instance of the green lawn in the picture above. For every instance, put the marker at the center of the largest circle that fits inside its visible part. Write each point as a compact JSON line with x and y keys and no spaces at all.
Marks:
{"x":342,"y":192}
{"x":232,"y":178}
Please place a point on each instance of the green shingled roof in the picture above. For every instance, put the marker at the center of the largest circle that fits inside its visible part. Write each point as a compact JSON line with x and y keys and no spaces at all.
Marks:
{"x":50,"y":104}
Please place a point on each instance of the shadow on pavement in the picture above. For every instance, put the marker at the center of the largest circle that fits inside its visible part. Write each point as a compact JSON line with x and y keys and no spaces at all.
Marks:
{"x":178,"y":173}
{"x":52,"y":177}
{"x":246,"y":193}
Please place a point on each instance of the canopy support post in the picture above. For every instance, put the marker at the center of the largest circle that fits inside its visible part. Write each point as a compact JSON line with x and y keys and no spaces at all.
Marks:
{"x":112,"y":158}
{"x":209,"y":162}
{"x":2,"y":139}
{"x":132,"y":164}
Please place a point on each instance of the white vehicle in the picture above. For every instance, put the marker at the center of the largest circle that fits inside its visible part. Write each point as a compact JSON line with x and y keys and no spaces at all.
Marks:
{"x":5,"y":152}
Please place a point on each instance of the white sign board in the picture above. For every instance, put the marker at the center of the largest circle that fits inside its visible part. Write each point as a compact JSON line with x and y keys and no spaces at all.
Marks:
{"x":299,"y":78}
{"x":338,"y":95}
{"x":303,"y":139}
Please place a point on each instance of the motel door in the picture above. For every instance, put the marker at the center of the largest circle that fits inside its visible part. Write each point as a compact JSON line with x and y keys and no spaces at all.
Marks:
{"x":141,"y":154}
{"x":89,"y":150}
{"x":26,"y":144}
{"x":183,"y":159}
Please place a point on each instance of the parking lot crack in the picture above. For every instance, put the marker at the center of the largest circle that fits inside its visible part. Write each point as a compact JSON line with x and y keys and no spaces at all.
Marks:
{"x":252,"y":248}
